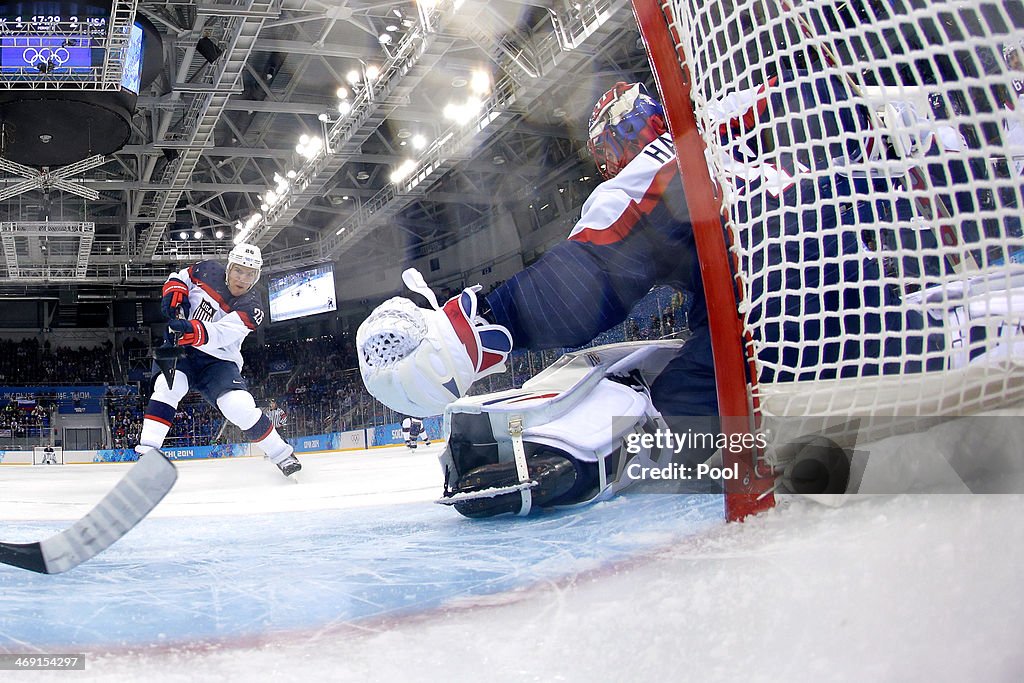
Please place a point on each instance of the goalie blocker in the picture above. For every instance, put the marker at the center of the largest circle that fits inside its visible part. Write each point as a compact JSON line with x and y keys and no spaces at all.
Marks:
{"x":555,"y":442}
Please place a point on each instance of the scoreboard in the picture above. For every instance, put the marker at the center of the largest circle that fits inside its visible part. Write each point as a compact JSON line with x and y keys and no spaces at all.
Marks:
{"x":67,"y":44}
{"x":57,"y":104}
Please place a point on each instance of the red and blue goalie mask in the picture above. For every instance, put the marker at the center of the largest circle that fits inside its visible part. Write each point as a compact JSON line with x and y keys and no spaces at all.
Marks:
{"x":625,"y":120}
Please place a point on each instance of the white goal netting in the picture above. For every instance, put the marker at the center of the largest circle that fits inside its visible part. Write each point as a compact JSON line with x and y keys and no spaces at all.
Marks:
{"x":868,"y":157}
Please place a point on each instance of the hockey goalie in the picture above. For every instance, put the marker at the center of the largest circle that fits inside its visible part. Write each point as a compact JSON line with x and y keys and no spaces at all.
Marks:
{"x":560,"y":440}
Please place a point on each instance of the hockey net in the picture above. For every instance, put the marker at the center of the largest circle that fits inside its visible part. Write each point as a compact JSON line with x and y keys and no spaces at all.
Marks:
{"x":865,"y":159}
{"x":47,"y":455}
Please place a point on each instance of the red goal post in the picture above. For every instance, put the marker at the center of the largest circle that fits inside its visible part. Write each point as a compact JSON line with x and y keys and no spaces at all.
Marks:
{"x":926,"y":186}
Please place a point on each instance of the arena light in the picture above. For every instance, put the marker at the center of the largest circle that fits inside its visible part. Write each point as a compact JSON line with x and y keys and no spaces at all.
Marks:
{"x":353,"y":77}
{"x":463,"y":113}
{"x":403,"y":171}
{"x":372,"y":72}
{"x":197,"y":235}
{"x":342,"y":92}
{"x":480,"y":82}
{"x":309,"y":146}
{"x":344,"y":107}
{"x":183,"y":235}
{"x":419,"y":141}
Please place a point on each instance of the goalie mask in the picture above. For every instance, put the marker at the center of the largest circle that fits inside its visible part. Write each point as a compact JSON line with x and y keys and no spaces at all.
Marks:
{"x":243,"y":270}
{"x":625,"y":120}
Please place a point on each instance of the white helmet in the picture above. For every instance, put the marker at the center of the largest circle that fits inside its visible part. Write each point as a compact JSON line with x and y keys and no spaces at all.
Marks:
{"x":248,"y":256}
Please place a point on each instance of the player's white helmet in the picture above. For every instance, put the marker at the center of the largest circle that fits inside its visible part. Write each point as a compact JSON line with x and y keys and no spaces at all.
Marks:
{"x":247,"y":256}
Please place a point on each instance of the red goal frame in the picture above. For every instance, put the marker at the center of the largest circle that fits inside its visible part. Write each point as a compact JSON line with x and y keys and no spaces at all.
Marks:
{"x":751,"y":492}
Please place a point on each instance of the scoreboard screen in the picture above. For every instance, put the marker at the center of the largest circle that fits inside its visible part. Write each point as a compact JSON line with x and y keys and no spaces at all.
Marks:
{"x":46,"y":53}
{"x":35,"y":40}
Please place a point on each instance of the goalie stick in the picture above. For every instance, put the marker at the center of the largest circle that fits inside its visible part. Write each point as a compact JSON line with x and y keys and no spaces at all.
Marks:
{"x":131,"y":499}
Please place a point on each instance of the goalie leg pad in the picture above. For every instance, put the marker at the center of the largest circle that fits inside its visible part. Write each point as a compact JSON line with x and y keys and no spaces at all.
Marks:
{"x":555,"y":475}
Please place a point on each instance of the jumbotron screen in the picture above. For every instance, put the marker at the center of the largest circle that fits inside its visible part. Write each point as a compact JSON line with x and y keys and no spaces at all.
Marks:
{"x":303,"y":293}
{"x":46,"y":42}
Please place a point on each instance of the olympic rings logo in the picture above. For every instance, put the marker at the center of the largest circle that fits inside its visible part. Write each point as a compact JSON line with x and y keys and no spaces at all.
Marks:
{"x":34,"y":56}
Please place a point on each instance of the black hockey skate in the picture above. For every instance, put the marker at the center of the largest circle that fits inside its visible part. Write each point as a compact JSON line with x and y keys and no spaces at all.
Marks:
{"x":554,"y":476}
{"x":289,"y":465}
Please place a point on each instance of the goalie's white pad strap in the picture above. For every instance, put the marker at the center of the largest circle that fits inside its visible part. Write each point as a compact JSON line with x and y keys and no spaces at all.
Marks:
{"x":515,"y":430}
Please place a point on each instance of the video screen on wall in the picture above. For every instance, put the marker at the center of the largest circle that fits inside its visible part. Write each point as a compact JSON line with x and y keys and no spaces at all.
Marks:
{"x":306,"y":292}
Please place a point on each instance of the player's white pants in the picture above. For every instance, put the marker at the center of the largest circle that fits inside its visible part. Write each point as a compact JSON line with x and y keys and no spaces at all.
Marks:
{"x":239,"y":407}
{"x":155,"y":427}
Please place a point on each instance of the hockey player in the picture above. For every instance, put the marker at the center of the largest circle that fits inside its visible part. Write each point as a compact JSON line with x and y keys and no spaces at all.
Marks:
{"x":210,"y":309}
{"x":635,"y":232}
{"x":413,"y":432}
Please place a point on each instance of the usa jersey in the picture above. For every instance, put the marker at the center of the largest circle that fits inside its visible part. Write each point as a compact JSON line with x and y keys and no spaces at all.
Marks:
{"x":227,"y":319}
{"x":634,"y":232}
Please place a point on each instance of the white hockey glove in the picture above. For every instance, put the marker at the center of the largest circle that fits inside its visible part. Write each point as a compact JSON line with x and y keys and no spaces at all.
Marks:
{"x":994,"y":303}
{"x":418,"y":360}
{"x":913,"y":135}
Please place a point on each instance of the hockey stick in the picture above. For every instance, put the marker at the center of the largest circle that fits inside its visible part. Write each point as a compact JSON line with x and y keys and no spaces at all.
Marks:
{"x":131,"y":499}
{"x":167,"y":354}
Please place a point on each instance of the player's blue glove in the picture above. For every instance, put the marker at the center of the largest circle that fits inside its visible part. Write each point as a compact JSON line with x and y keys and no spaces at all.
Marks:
{"x":175,"y":297}
{"x":193,"y":332}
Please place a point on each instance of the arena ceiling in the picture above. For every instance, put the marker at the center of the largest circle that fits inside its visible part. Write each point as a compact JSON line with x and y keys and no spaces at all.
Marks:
{"x":209,"y":139}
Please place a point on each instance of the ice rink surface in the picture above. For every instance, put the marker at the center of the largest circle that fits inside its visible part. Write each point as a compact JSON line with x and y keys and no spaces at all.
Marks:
{"x":353,"y":574}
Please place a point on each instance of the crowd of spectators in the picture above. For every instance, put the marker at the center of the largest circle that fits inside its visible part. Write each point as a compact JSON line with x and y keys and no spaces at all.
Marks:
{"x":21,"y":419}
{"x":30,"y":362}
{"x":315,"y":380}
{"x":196,"y":423}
